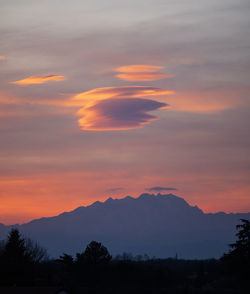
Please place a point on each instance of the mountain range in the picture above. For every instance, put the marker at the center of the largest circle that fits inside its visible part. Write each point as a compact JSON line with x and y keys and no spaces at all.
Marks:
{"x":157,"y":225}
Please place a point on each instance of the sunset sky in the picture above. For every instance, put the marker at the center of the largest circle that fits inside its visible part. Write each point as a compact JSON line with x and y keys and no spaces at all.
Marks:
{"x":111,"y":98}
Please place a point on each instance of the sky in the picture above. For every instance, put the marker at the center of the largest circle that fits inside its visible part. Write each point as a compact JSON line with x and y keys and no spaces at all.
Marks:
{"x":111,"y":98}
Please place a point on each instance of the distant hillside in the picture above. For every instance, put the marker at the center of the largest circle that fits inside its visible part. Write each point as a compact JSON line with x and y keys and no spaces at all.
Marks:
{"x":159,"y":225}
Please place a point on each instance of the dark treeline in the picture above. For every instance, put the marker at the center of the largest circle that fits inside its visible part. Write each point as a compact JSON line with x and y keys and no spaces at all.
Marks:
{"x":24,"y":263}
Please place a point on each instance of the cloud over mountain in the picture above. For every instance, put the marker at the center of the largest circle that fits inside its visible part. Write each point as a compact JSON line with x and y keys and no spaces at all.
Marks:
{"x":160,"y":189}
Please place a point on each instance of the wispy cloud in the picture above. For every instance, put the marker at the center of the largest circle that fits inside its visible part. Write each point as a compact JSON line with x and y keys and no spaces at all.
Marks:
{"x":39,"y":80}
{"x":2,"y":57}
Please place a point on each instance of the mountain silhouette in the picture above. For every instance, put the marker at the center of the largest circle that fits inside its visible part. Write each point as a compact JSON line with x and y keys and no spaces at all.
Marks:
{"x":158,"y":225}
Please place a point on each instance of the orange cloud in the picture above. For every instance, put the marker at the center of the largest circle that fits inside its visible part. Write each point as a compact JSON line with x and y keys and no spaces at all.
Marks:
{"x":139,"y":68}
{"x":2,"y":57}
{"x":39,"y":80}
{"x":142,"y":76}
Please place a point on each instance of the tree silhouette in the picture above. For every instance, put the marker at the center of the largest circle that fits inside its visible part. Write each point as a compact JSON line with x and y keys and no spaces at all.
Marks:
{"x":35,"y":252}
{"x":66,"y":259}
{"x":15,"y":251}
{"x":239,"y":256}
{"x":19,"y":251}
{"x":242,"y":245}
{"x":94,"y":254}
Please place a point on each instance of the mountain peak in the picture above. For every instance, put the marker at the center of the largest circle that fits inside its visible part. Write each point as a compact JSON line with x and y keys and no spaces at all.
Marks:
{"x":144,"y":196}
{"x":171,"y":199}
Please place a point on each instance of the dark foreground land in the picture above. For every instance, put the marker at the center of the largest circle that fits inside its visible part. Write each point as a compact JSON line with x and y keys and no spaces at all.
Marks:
{"x":25,"y":268}
{"x":152,"y":276}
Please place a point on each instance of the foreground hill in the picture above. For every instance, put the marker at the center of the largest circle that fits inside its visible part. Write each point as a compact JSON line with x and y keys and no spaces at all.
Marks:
{"x":159,"y":225}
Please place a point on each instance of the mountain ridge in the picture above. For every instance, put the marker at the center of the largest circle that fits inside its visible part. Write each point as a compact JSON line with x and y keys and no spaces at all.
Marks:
{"x":159,"y":225}
{"x":117,"y":199}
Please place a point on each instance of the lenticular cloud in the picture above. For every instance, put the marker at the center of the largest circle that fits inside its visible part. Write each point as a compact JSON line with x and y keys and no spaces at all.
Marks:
{"x":118,"y":114}
{"x":118,"y":108}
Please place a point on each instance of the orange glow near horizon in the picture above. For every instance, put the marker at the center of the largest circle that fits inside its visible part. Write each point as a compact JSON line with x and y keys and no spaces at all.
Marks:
{"x":39,"y":80}
{"x":26,"y":198}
